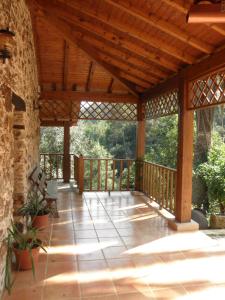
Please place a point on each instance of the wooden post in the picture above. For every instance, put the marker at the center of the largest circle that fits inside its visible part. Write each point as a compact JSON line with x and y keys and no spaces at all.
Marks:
{"x":80,"y":174}
{"x":184,"y":162}
{"x":66,"y":153}
{"x":140,"y":147}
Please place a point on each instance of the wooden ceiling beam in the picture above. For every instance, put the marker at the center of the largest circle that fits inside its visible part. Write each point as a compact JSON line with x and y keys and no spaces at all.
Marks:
{"x":130,"y":69}
{"x":87,"y":96}
{"x":65,"y":30}
{"x":90,"y":76}
{"x":107,"y":39}
{"x":65,"y":65}
{"x":71,"y":7}
{"x":109,"y":34}
{"x":124,"y":57}
{"x":183,"y":7}
{"x":162,"y":25}
{"x":109,"y":89}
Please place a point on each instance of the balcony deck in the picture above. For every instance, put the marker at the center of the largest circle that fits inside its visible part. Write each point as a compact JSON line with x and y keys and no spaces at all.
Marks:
{"x":117,"y":247}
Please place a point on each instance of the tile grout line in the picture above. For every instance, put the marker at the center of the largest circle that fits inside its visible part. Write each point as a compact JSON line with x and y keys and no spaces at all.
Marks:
{"x":112,"y":281}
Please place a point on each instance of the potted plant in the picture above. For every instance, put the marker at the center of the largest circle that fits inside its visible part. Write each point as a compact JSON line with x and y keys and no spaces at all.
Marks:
{"x":37,"y":208}
{"x":25,"y":246}
{"x":213,"y":173}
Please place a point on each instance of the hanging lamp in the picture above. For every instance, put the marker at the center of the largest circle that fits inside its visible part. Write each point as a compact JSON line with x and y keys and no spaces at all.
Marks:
{"x":207,"y":11}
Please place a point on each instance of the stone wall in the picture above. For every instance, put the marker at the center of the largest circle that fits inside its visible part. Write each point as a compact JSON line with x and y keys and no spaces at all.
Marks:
{"x":18,"y":144}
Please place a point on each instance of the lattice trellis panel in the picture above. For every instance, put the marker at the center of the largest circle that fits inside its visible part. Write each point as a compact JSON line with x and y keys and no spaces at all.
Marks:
{"x":57,"y":110}
{"x":108,"y":111}
{"x":163,"y":105}
{"x":207,"y":91}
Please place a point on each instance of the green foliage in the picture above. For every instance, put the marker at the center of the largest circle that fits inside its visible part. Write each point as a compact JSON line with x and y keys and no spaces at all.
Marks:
{"x":35,"y":205}
{"x":51,"y":140}
{"x":213,"y":173}
{"x":161,"y":141}
{"x":20,"y":240}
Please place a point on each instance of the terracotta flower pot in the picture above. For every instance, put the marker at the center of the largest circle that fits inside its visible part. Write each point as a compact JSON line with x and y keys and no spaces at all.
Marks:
{"x":40,"y":222}
{"x":217,"y":221}
{"x":23,"y":258}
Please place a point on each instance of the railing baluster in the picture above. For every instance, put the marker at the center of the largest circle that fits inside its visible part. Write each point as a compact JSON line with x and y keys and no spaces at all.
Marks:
{"x":128,"y":175}
{"x":99,"y":175}
{"x":113,"y":181}
{"x":106,"y":174}
{"x":91,"y":173}
{"x":121,"y":174}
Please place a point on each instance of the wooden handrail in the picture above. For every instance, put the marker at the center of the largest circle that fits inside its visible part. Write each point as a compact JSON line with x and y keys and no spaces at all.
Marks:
{"x":108,"y":174}
{"x":159,"y":184}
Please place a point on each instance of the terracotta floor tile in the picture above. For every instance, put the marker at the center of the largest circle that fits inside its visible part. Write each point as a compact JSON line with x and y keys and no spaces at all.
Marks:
{"x":85,"y":234}
{"x":59,"y":268}
{"x":92,"y":265}
{"x":125,"y":252}
{"x":97,"y":288}
{"x":107,"y":233}
{"x":115,"y":252}
{"x":24,"y":294}
{"x":95,"y":255}
{"x":61,"y":290}
{"x":169,"y":294}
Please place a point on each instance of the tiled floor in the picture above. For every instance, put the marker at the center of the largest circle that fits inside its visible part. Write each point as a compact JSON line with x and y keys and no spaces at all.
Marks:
{"x":116,"y":247}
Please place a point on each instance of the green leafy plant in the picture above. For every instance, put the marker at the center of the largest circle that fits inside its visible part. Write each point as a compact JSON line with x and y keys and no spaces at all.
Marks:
{"x":35,"y":206}
{"x":19,"y":239}
{"x":213,"y":174}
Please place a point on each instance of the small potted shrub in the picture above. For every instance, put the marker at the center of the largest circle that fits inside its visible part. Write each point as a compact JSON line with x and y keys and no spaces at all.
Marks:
{"x":213,"y":174}
{"x":37,"y":208}
{"x":25,"y":246}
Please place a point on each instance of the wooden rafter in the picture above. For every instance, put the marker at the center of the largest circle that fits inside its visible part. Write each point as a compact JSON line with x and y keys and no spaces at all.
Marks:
{"x":128,"y":68}
{"x":124,"y":58}
{"x":89,"y":76}
{"x":119,"y":40}
{"x":70,"y":7}
{"x":88,"y":96}
{"x":66,"y":31}
{"x":162,"y":25}
{"x":65,"y":65}
{"x":183,"y":7}
{"x":109,"y":89}
{"x":122,"y":45}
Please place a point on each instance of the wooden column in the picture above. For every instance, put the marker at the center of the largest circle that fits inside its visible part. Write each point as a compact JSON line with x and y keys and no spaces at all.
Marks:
{"x":140,"y":147}
{"x":66,"y":152}
{"x":185,"y":157}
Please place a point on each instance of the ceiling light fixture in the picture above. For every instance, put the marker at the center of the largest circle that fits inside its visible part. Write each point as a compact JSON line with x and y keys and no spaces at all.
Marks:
{"x":207,"y":11}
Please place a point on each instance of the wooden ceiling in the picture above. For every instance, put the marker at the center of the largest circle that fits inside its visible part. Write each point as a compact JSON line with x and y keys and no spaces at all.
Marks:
{"x":116,"y":46}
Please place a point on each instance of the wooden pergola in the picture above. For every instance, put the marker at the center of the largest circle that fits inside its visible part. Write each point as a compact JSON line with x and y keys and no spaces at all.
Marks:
{"x":128,"y":60}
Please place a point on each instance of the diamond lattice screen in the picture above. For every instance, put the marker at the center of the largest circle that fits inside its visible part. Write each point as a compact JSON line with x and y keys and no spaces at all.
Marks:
{"x":207,"y":91}
{"x":58,"y":110}
{"x":108,"y":111}
{"x":163,"y":105}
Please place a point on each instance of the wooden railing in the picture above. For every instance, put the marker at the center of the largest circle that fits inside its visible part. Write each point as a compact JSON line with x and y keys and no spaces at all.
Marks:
{"x":159,"y":184}
{"x":52,"y":164}
{"x":106,"y":174}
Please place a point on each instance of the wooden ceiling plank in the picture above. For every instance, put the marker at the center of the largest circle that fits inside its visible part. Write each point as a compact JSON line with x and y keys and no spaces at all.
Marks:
{"x":86,"y":32}
{"x":162,"y":25}
{"x":65,"y":65}
{"x":85,"y":27}
{"x":183,"y":7}
{"x":87,"y":96}
{"x":67,"y":33}
{"x":164,"y":47}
